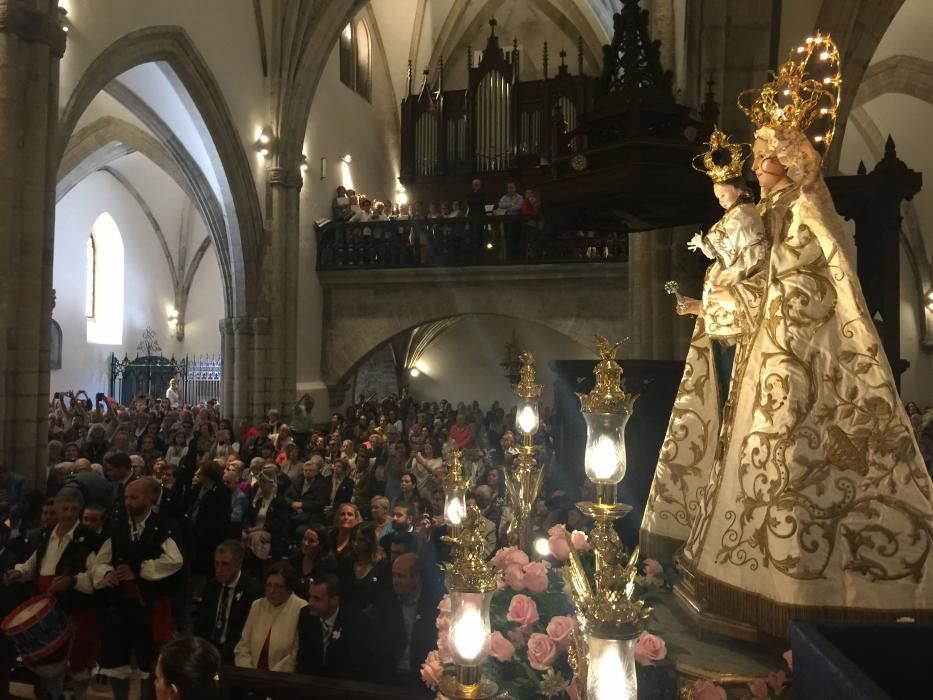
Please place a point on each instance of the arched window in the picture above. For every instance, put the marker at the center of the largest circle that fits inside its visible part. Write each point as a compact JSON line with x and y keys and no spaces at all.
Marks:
{"x":356,"y":58}
{"x":104,"y":293}
{"x":363,"y":59}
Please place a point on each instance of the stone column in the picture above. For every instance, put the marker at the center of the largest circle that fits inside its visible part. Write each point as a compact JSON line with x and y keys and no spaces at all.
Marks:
{"x":265,"y":373}
{"x":282,"y":281}
{"x":662,"y":315}
{"x":639,"y":265}
{"x":227,"y":355}
{"x":240,"y":369}
{"x":31,"y":45}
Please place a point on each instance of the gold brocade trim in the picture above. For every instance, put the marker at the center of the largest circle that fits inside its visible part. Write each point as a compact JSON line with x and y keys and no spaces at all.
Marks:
{"x":772,"y":618}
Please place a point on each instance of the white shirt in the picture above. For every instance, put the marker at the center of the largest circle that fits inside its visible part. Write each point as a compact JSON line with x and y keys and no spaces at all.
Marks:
{"x":167,"y":564}
{"x":173,"y":396}
{"x":53,"y":554}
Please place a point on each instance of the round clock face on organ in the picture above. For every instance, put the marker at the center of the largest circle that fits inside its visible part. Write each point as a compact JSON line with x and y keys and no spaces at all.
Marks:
{"x":579,"y":162}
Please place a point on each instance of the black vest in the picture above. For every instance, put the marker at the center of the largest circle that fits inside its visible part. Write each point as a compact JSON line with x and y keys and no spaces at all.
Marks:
{"x":73,"y":561}
{"x":133,"y":553}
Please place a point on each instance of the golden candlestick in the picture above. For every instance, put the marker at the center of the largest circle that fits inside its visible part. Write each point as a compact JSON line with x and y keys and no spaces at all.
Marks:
{"x":525,"y":477}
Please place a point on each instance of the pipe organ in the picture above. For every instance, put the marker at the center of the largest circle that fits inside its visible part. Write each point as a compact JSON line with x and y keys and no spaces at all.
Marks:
{"x":498,"y":127}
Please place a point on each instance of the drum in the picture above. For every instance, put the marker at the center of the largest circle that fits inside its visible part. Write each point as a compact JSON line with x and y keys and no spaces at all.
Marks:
{"x":41,"y":633}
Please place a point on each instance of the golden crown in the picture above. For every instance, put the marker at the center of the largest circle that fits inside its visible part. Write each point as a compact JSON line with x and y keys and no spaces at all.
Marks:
{"x":805,"y":90}
{"x":721,"y":172}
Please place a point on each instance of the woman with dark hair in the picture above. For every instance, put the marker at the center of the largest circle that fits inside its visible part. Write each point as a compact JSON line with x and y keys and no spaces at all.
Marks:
{"x":270,"y":637}
{"x":187,"y":670}
{"x":409,"y":495}
{"x":315,"y":557}
{"x":207,"y":522}
{"x":358,"y":572}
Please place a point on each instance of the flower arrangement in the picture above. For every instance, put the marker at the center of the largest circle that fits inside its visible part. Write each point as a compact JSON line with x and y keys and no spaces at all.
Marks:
{"x":533,"y":622}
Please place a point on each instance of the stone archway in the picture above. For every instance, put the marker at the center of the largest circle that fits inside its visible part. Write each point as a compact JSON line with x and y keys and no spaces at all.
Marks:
{"x":239,"y":244}
{"x":577,"y":301}
{"x":858,"y":31}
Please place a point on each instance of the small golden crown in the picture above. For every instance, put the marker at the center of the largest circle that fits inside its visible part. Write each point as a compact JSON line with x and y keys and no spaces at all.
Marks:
{"x":719,"y":144}
{"x":801,"y":93}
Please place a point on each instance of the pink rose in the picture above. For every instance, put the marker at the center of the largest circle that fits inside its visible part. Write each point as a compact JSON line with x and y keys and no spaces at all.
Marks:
{"x":560,"y":629}
{"x":535,"y":577}
{"x":500,"y":647}
{"x":652,"y":567}
{"x":443,"y":623}
{"x":759,"y":689}
{"x":776,"y":681}
{"x":443,"y":648}
{"x":522,"y":610}
{"x":789,"y":658}
{"x":513,"y":577}
{"x":649,"y":648}
{"x":580,"y":541}
{"x":517,"y":635}
{"x":432,"y":670}
{"x":707,"y":690}
{"x":560,"y":549}
{"x":541,"y":651}
{"x":558,"y":530}
{"x":507,"y":556}
{"x":444,"y":606}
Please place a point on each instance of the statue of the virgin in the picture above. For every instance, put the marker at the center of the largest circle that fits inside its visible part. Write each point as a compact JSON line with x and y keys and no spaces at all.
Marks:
{"x":805,"y":495}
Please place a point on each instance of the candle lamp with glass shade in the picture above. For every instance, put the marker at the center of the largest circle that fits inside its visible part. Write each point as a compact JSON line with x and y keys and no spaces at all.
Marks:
{"x":525,"y":477}
{"x":610,"y":619}
{"x":471,"y":583}
{"x":455,"y":493}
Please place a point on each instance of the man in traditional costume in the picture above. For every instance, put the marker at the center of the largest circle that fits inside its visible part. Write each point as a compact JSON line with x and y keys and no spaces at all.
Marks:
{"x":140,"y":560}
{"x":62,"y":566}
{"x":806,"y":496}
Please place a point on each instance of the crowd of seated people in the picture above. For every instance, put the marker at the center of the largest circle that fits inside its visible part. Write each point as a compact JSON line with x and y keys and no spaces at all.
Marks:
{"x":289,"y":546}
{"x":380,"y":232}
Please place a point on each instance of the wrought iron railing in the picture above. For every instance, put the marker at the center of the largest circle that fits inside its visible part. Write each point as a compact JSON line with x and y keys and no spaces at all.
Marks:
{"x":462,"y":241}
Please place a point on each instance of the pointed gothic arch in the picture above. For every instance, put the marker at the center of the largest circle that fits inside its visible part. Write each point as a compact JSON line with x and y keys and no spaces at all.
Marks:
{"x":240,"y":234}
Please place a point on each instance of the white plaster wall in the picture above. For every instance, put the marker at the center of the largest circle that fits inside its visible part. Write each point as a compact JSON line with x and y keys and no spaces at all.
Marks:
{"x":147,"y":284}
{"x":463,"y":363}
{"x":205,"y":308}
{"x":341,"y":122}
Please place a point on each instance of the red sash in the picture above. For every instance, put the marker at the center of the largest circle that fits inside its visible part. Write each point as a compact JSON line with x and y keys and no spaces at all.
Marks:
{"x":83,"y":654}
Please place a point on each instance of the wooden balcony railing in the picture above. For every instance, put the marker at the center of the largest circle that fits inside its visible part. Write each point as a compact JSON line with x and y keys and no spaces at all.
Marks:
{"x":462,"y":241}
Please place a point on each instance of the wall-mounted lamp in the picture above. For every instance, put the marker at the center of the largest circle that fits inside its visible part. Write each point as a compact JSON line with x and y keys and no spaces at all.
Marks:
{"x":175,"y":323}
{"x":401,"y":197}
{"x":930,"y":300}
{"x":303,"y":163}
{"x":347,"y":159}
{"x":414,"y":372}
{"x":263,"y":145}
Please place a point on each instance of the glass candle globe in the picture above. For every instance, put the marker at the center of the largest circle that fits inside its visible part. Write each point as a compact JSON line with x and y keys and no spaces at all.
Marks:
{"x":526,"y":418}
{"x":604,"y":459}
{"x":611,"y":670}
{"x":470,"y":627}
{"x":454,"y":506}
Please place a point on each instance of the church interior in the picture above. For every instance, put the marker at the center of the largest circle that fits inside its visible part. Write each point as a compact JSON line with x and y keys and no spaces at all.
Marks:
{"x":390,"y":237}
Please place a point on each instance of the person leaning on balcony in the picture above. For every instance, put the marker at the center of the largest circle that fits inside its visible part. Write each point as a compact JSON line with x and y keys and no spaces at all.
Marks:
{"x":511,"y":203}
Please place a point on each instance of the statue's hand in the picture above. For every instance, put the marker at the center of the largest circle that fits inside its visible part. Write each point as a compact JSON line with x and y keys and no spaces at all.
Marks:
{"x":696,"y":243}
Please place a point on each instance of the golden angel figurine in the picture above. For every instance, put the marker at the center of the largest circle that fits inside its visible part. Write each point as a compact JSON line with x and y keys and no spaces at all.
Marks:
{"x":814,"y":501}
